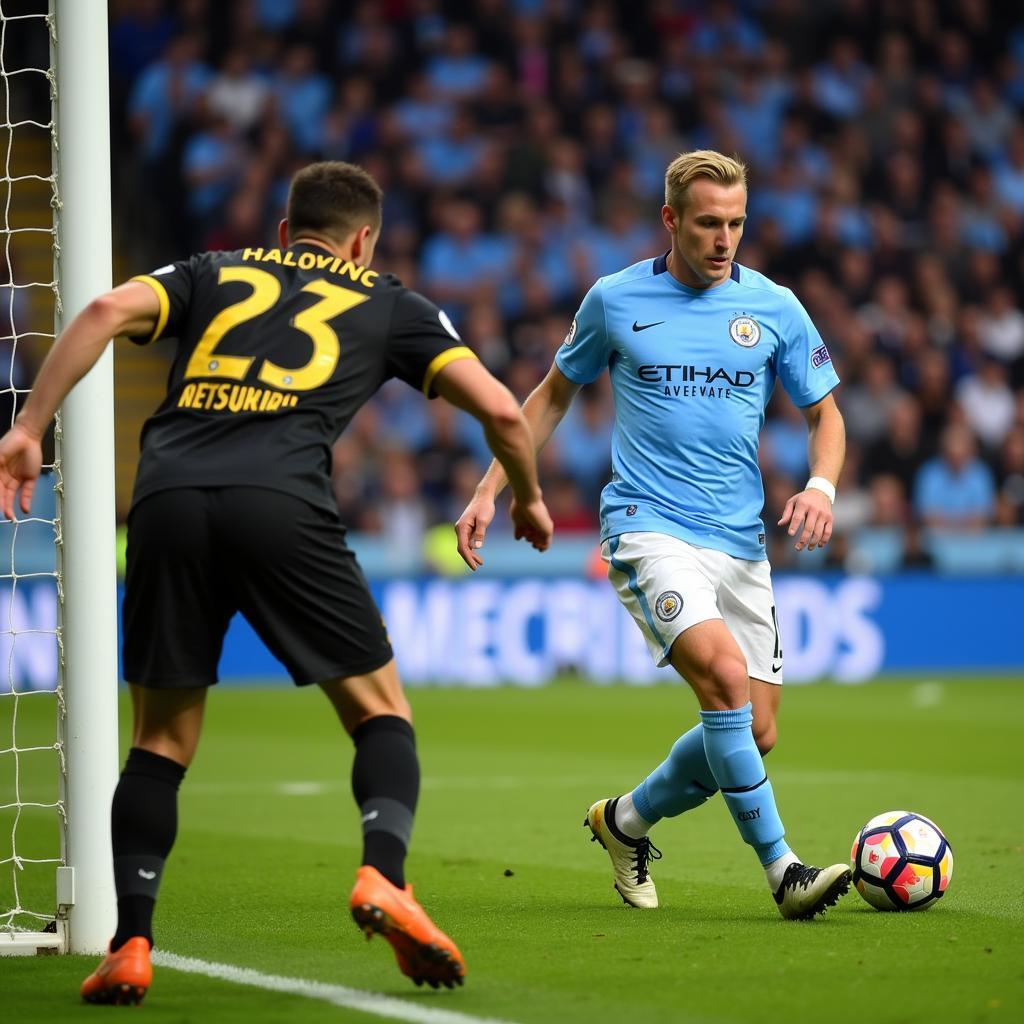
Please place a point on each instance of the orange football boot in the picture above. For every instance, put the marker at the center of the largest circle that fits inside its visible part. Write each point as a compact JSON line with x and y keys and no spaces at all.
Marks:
{"x":423,"y":951}
{"x":122,"y":978}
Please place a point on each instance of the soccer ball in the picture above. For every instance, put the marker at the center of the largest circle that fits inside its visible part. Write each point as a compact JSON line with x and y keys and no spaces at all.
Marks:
{"x":901,"y":861}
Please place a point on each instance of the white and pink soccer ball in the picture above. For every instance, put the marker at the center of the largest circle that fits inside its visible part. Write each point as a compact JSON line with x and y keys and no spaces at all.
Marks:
{"x":901,"y":861}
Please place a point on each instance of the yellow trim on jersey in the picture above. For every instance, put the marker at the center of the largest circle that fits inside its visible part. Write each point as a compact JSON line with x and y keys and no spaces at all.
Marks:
{"x":440,"y":361}
{"x":164,"y":300}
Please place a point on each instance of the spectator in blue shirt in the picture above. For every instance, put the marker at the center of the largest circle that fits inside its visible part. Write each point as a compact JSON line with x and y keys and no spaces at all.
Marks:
{"x":795,"y":145}
{"x":137,"y":38}
{"x":452,"y":158}
{"x":982,"y":224}
{"x":164,"y":95}
{"x":423,"y":112}
{"x":462,"y":260}
{"x":756,"y":115}
{"x":655,"y":148}
{"x":725,"y":30}
{"x":597,"y":38}
{"x":303,"y":97}
{"x":955,"y":490}
{"x":459,"y":71}
{"x":1009,"y":172}
{"x":790,"y":202}
{"x":212,"y":165}
{"x":623,"y":239}
{"x":840,"y":82}
{"x":275,"y":15}
{"x":536,"y":249}
{"x":988,"y":119}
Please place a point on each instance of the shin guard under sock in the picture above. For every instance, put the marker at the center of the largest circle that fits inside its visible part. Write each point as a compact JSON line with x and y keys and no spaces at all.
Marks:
{"x":143,"y":824}
{"x":386,"y":785}
{"x":681,"y":782}
{"x":739,"y":771}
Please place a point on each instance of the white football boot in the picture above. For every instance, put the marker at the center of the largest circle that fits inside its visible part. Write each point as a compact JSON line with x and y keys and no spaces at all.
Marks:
{"x":806,"y":892}
{"x":629,"y":856}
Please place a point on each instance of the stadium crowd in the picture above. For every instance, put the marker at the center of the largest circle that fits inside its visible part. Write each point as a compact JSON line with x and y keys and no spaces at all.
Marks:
{"x":521,"y":145}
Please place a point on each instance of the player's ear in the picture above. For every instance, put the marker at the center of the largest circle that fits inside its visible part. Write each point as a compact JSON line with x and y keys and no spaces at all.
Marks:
{"x":669,"y":219}
{"x":361,"y":245}
{"x":282,"y":233}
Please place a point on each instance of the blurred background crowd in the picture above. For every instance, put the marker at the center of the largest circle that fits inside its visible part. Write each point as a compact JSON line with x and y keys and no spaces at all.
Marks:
{"x":521,"y":145}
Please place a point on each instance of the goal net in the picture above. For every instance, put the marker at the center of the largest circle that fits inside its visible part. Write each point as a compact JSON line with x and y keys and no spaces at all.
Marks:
{"x":32,"y":811}
{"x":58,"y":741}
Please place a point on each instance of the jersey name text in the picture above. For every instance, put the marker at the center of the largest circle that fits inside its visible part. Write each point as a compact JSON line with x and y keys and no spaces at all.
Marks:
{"x":313,"y":261}
{"x":233,"y":398}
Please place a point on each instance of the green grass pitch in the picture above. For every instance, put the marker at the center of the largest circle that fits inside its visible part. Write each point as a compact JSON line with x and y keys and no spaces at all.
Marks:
{"x":268,"y":844}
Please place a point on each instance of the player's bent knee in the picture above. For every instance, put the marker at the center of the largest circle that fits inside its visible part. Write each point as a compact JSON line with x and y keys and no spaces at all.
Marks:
{"x":727,"y":681}
{"x":362,"y":707}
{"x":360,"y":698}
{"x":391,"y":704}
{"x":167,"y":746}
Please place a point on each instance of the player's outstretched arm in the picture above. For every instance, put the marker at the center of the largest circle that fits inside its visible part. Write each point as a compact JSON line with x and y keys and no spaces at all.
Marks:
{"x":809,"y":513}
{"x":129,"y":309}
{"x":543,"y":411}
{"x":467,"y":384}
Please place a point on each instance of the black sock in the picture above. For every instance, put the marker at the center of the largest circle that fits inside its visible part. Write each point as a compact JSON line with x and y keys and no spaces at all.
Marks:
{"x":386,"y":785}
{"x":143,"y":823}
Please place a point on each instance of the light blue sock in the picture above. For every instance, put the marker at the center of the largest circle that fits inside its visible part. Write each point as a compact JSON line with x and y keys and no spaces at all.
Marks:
{"x":681,"y":782}
{"x":739,"y":771}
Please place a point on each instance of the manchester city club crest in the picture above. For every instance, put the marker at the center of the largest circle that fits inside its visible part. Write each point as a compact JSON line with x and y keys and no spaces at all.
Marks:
{"x":668,"y":605}
{"x":745,"y":331}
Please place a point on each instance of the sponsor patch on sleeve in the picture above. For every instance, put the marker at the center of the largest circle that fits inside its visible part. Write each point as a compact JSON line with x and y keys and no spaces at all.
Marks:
{"x":820,"y":356}
{"x":571,"y":336}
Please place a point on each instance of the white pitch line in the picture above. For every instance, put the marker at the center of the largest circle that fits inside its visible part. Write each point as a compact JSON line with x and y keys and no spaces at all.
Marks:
{"x":302,"y":788}
{"x":927,"y":694}
{"x":337,"y":995}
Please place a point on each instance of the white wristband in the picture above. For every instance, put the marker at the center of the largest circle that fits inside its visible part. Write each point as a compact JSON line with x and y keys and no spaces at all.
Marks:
{"x":819,"y":483}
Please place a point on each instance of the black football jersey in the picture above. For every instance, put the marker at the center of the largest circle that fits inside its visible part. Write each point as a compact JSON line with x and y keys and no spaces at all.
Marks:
{"x":277,"y":349}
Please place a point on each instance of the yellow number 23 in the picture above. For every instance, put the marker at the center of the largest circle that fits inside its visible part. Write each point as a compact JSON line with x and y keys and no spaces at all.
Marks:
{"x":313,"y":322}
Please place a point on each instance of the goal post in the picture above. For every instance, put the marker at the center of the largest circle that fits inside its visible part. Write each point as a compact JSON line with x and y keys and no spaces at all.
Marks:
{"x":87,"y":557}
{"x":83,"y":905}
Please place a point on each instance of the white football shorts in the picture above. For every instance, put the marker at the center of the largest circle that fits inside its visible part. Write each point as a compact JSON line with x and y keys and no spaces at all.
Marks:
{"x":668,"y":585}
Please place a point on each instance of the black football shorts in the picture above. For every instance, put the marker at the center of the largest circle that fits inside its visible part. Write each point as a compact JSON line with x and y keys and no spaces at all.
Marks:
{"x":198,"y":555}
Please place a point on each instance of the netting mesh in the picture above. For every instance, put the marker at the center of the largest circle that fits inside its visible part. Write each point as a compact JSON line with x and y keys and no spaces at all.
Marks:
{"x":32,"y":813}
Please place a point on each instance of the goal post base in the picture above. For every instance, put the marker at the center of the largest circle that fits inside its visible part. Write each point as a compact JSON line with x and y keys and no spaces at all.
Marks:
{"x":33,"y":943}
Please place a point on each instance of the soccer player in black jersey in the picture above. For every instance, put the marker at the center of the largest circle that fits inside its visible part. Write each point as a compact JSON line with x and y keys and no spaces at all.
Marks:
{"x":276,"y":350}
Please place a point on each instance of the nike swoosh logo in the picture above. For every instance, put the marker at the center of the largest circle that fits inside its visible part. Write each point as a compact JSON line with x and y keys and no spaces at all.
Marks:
{"x":643,"y":327}
{"x":777,"y":668}
{"x":143,"y":873}
{"x":370,"y":816}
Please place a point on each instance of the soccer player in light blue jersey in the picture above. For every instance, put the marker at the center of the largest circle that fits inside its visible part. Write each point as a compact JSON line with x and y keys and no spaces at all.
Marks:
{"x":694,"y":344}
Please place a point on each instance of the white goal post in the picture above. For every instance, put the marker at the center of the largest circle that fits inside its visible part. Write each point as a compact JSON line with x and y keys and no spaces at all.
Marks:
{"x":83,"y":906}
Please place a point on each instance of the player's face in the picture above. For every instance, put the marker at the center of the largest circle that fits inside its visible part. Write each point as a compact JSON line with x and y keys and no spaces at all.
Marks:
{"x":706,"y":232}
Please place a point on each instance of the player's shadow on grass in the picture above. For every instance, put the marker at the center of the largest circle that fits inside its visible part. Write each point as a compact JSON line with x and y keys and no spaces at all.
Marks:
{"x":690,"y":916}
{"x":424,"y":992}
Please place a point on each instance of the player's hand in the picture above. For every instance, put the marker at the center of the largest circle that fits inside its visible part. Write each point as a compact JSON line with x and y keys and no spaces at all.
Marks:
{"x":21,"y":459}
{"x":471,"y":528}
{"x":532,"y":522}
{"x":809,"y":515}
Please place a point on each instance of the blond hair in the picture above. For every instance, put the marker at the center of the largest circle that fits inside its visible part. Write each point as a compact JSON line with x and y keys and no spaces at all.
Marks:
{"x":701,"y":163}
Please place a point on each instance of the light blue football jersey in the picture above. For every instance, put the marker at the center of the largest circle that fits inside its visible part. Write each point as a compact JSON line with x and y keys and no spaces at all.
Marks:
{"x":692,"y":370}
